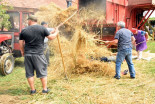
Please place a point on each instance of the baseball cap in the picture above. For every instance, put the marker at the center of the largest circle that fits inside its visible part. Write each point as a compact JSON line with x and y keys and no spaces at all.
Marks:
{"x":33,"y":18}
{"x":43,"y":23}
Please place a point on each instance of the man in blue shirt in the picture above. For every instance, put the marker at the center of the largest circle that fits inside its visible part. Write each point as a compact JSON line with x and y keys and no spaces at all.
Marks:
{"x":124,"y":38}
{"x":69,"y":3}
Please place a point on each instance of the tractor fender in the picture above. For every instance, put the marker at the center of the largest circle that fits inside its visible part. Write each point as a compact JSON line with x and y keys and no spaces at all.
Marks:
{"x":4,"y":37}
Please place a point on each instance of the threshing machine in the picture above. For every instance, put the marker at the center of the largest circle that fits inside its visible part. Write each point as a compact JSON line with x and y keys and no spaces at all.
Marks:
{"x":129,"y":11}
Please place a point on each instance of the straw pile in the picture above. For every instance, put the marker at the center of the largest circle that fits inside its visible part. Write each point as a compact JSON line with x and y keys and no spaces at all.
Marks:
{"x":78,"y":49}
{"x":55,"y":16}
{"x":94,"y":15}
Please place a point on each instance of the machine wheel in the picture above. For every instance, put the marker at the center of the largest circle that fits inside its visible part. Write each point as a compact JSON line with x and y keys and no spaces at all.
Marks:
{"x":6,"y":64}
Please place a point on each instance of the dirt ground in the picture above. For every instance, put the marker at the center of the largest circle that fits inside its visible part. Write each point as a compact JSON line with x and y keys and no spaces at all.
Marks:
{"x":145,"y":55}
{"x":8,"y":99}
{"x":142,"y":88}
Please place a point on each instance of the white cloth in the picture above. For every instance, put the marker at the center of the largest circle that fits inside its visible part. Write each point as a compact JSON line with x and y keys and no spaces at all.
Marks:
{"x":139,"y":54}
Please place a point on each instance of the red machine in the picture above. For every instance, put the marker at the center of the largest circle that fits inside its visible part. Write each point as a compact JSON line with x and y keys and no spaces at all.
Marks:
{"x":135,"y":16}
{"x":9,"y":40}
{"x":129,"y":11}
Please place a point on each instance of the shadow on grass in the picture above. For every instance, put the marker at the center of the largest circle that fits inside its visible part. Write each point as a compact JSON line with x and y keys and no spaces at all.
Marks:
{"x":15,"y":92}
{"x":19,"y":62}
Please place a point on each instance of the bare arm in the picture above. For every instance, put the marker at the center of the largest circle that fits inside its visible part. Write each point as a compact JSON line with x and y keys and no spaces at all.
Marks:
{"x":146,"y":36}
{"x":113,"y":42}
{"x":21,"y":44}
{"x":53,"y":34}
{"x":133,"y":40}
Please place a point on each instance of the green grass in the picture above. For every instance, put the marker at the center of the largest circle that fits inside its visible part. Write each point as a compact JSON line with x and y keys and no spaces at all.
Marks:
{"x":151,"y":46}
{"x":86,"y":88}
{"x":150,"y":66}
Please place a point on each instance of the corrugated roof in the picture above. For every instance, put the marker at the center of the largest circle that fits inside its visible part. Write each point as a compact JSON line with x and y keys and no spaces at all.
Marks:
{"x":35,"y":3}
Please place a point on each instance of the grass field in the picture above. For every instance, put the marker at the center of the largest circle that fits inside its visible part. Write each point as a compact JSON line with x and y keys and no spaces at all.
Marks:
{"x":151,"y":46}
{"x":83,"y":89}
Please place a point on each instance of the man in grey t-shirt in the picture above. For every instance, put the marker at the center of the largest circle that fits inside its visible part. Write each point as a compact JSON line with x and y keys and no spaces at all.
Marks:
{"x":124,"y":38}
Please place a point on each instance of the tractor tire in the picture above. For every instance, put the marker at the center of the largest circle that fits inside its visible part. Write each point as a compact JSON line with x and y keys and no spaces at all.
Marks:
{"x":6,"y":64}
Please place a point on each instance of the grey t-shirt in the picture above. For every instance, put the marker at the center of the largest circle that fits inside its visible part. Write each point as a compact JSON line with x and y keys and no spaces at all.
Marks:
{"x":124,"y":39}
{"x":34,"y":39}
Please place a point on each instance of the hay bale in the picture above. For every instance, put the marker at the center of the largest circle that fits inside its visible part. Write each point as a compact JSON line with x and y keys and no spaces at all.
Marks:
{"x":77,"y":53}
{"x":77,"y":48}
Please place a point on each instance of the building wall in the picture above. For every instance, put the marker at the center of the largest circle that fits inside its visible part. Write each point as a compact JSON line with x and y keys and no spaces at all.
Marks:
{"x":60,"y":3}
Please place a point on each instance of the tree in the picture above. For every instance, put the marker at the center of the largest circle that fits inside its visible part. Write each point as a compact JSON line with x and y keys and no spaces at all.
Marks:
{"x":4,"y":17}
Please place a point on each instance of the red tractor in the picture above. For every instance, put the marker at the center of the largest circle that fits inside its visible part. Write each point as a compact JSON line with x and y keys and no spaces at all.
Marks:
{"x":6,"y":56}
{"x":9,"y":40}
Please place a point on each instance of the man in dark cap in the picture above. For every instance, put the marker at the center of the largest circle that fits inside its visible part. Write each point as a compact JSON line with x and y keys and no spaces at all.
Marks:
{"x":32,"y":48}
{"x":46,"y":47}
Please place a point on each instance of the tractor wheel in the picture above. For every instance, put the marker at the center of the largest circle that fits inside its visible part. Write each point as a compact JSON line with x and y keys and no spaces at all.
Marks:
{"x":6,"y":64}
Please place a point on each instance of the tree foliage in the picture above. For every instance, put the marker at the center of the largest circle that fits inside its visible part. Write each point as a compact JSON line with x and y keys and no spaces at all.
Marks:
{"x":4,"y":17}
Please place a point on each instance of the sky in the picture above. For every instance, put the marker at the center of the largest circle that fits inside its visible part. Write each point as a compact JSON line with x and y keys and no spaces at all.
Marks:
{"x":153,"y":14}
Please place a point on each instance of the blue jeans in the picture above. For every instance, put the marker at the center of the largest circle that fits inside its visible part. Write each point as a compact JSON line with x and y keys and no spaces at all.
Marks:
{"x":69,"y":3}
{"x":127,"y":55}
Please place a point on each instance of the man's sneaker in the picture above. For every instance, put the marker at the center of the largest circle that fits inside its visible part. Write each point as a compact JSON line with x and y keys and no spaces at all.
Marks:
{"x":132,"y":77}
{"x":125,"y":72}
{"x":117,"y":77}
{"x":46,"y":91}
{"x":32,"y":92}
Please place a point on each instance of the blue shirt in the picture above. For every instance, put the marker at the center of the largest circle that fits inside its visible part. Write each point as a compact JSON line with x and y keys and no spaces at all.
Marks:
{"x":124,"y":38}
{"x":46,"y":39}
